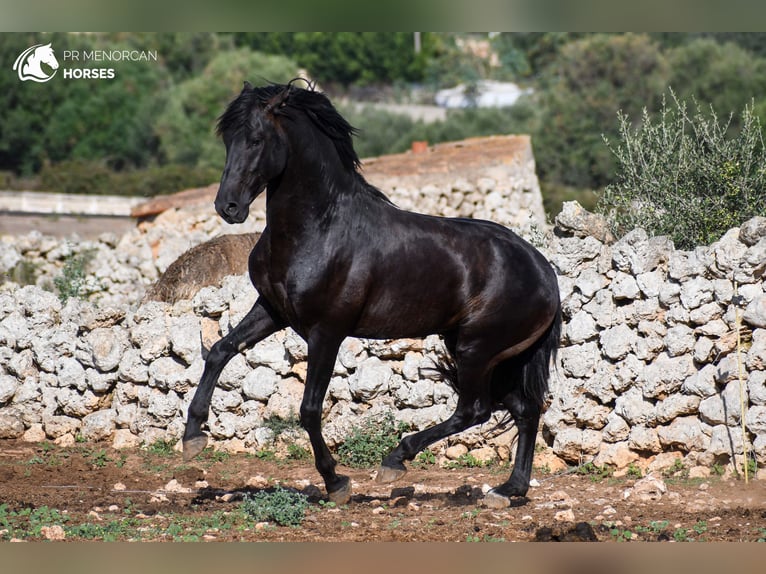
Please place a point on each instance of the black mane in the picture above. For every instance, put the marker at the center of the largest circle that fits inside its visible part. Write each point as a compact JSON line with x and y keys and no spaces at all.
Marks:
{"x":313,"y":103}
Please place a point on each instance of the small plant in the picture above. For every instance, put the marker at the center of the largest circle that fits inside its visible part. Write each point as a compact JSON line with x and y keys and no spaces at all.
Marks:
{"x":681,"y":535}
{"x":718,"y":469}
{"x":634,"y":471}
{"x":621,"y":535}
{"x":466,"y":460}
{"x":99,"y":458}
{"x":72,"y":278}
{"x":371,"y":441}
{"x":278,"y":425}
{"x":161,"y":448}
{"x":425,"y":458}
{"x":266,"y":454}
{"x":658,"y":526}
{"x":752,"y":467}
{"x":595,"y":472}
{"x":678,"y":469}
{"x":285,"y":507}
{"x":297,"y":452}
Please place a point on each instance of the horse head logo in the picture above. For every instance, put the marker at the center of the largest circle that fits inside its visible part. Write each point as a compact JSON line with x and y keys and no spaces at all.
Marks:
{"x":29,"y":63}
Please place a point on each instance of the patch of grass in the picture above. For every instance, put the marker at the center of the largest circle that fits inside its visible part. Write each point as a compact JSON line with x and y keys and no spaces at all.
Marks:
{"x":424,"y":459}
{"x":678,"y":470}
{"x":218,"y":455}
{"x":297,"y":452}
{"x":371,"y":441}
{"x":594,"y":472}
{"x":634,"y":471}
{"x":278,"y":425}
{"x":266,"y":454}
{"x":161,"y":448}
{"x":72,"y":279}
{"x":620,"y":535}
{"x":466,"y":460}
{"x":285,"y":507}
{"x":99,"y":458}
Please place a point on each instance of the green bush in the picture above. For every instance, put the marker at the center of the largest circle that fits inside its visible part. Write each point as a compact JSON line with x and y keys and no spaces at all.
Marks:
{"x":186,"y":127}
{"x":369,"y":442}
{"x":72,"y":278}
{"x":285,"y":507}
{"x":95,"y":178}
{"x":585,"y":85}
{"x":686,"y":176}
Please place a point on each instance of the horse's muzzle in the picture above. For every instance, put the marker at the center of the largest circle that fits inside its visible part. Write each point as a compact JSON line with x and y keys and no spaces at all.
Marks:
{"x":232,"y":212}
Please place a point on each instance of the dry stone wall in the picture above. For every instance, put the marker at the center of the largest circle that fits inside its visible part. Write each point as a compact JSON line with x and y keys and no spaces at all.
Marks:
{"x":652,"y":361}
{"x":662,"y":349}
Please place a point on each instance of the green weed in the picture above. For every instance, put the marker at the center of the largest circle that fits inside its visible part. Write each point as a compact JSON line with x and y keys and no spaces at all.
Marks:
{"x":297,"y":452}
{"x":466,"y":460}
{"x":425,"y":458}
{"x":371,"y":441}
{"x":161,"y":448}
{"x":72,"y":278}
{"x":634,"y":471}
{"x":595,"y":472}
{"x":278,"y":425}
{"x":285,"y":507}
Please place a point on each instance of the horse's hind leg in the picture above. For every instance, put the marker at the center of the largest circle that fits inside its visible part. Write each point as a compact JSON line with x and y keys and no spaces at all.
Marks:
{"x":474,"y":407}
{"x":526,"y":414}
{"x":258,"y":324}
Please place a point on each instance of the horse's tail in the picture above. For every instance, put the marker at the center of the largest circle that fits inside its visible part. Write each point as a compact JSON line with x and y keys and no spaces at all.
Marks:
{"x":531,"y":368}
{"x":536,"y":369}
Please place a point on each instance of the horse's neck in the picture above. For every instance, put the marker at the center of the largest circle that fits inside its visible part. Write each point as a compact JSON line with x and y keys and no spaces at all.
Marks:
{"x":32,"y":65}
{"x":306,"y":196}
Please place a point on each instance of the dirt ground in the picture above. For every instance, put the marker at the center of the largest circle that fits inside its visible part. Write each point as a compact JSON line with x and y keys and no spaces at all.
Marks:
{"x":89,"y":491}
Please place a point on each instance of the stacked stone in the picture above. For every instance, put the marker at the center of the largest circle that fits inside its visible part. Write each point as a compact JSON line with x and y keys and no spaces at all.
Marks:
{"x":506,"y":195}
{"x":650,"y":359}
{"x":87,"y":371}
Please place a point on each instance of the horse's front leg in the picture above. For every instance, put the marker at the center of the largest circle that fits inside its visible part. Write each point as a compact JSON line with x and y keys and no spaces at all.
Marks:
{"x":259,"y":323}
{"x":322,"y":351}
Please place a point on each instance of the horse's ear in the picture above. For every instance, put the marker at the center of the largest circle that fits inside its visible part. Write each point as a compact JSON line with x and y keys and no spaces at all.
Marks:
{"x":279,"y":100}
{"x":248,"y":87}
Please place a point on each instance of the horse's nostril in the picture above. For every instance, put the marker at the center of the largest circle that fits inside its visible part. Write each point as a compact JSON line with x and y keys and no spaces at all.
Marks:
{"x":231,"y":208}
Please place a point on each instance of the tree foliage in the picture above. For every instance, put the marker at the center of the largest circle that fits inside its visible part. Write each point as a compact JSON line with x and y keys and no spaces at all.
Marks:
{"x":586,"y":84}
{"x":686,"y":175}
{"x":186,"y":126}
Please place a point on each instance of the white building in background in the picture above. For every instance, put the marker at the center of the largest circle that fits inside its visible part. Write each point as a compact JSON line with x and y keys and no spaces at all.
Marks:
{"x":488,"y":94}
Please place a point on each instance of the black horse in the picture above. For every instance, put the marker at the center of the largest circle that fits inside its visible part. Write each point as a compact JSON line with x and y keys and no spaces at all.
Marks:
{"x":338,"y":259}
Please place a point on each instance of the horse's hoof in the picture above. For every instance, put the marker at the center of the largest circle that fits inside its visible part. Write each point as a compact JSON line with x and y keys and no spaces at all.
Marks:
{"x":194,"y":446}
{"x":387,"y":474}
{"x":496,"y":500}
{"x":341,"y":495}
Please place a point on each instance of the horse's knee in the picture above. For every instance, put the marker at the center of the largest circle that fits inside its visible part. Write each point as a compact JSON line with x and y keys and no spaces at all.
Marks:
{"x":310,"y":417}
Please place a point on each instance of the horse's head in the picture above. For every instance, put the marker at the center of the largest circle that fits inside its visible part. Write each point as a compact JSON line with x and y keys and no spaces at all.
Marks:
{"x":256,"y":149}
{"x":45,"y":55}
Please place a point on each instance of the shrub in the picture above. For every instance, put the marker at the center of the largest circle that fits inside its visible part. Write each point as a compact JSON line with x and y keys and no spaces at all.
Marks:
{"x":371,"y":441}
{"x":688,"y":177}
{"x":95,"y":178}
{"x":589,"y":79}
{"x":285,"y":507}
{"x":72,"y":278}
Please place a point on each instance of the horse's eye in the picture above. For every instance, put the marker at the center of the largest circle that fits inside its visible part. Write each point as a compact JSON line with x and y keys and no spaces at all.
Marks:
{"x":256,"y":142}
